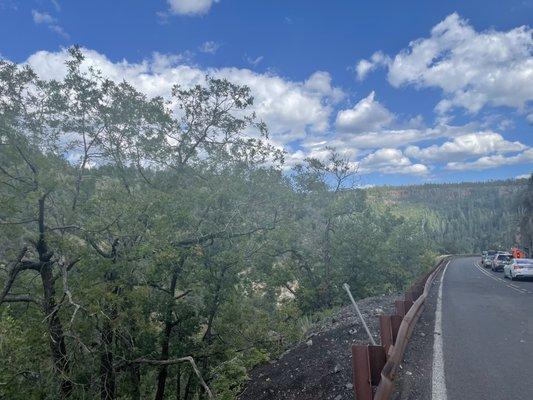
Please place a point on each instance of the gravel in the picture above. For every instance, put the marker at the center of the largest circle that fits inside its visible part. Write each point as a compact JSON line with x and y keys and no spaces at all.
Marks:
{"x":320,"y":366}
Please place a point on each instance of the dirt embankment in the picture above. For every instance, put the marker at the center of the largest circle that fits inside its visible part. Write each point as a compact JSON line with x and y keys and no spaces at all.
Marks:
{"x":320,"y":367}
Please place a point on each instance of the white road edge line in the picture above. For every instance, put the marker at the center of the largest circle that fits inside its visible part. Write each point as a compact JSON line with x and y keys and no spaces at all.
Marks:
{"x":438,"y":381}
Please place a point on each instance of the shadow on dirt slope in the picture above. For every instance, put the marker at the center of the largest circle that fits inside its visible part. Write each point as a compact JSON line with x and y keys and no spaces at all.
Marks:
{"x":320,"y":367}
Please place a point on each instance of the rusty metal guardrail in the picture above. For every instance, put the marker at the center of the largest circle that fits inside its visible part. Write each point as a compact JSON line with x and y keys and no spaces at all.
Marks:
{"x":376,"y":367}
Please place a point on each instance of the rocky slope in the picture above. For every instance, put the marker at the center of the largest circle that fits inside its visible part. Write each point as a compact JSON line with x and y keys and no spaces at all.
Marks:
{"x":320,"y":367}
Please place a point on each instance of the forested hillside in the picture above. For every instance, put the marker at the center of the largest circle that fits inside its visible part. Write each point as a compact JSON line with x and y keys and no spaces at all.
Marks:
{"x":463,"y":217}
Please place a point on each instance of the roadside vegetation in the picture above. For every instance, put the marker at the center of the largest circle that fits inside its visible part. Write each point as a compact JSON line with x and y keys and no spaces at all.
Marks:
{"x":155,"y":248}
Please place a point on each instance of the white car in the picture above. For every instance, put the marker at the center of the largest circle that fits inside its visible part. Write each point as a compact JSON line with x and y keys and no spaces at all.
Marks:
{"x":519,"y":268}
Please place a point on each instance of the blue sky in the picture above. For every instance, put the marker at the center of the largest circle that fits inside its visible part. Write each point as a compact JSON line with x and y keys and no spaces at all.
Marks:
{"x":411,"y":92}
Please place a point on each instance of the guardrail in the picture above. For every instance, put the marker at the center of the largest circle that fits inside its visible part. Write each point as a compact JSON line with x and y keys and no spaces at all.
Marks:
{"x":376,"y":367}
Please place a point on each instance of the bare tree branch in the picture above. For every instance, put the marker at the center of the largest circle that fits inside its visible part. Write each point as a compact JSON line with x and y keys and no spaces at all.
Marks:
{"x":14,"y":269}
{"x":12,"y":298}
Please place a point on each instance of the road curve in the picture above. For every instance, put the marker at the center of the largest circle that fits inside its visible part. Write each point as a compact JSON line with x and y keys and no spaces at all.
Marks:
{"x":487,"y":334}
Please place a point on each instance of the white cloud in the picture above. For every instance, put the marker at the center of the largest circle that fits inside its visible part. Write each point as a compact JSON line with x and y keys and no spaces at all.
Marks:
{"x":364,"y":67}
{"x":209,"y":47}
{"x":190,"y":7}
{"x":291,"y":109}
{"x":367,"y":114}
{"x":390,"y":161}
{"x":320,"y":82}
{"x":487,"y":162}
{"x":473,"y":69}
{"x":46,"y":19}
{"x":42,"y":17}
{"x":466,"y":146}
{"x":59,"y":30}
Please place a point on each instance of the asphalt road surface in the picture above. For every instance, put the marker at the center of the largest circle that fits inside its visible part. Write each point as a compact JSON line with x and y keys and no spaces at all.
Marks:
{"x":487,"y":334}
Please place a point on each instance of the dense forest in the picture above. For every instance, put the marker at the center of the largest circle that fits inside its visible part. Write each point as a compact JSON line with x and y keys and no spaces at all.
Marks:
{"x":159,"y":248}
{"x":465,"y":217}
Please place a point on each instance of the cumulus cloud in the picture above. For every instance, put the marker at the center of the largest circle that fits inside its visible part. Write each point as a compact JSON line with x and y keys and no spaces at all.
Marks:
{"x":292,"y":109}
{"x":190,"y":7}
{"x":320,"y":82}
{"x":367,"y":114}
{"x":384,"y":161}
{"x":466,"y":146}
{"x":364,"y":67}
{"x":487,"y":162}
{"x":473,"y":69}
{"x":390,"y":161}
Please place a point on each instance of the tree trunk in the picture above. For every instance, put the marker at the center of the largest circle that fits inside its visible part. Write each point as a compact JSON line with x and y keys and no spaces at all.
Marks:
{"x":55,"y":328}
{"x":163,"y":370}
{"x":169,"y":324}
{"x":56,"y":334}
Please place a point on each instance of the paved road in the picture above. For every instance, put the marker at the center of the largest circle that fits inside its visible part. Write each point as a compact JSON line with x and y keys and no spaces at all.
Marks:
{"x":487,"y":332}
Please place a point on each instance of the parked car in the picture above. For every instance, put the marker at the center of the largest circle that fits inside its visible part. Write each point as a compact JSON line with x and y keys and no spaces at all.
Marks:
{"x":500,"y":261}
{"x":519,"y":268}
{"x":487,"y":259}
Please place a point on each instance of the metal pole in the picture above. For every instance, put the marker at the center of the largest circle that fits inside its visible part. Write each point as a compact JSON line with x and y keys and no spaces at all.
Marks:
{"x":347,"y":288}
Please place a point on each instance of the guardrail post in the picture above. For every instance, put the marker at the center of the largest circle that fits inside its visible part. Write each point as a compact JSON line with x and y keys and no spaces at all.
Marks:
{"x":396,"y":321}
{"x":377,"y":358}
{"x":402,"y":306}
{"x":362,"y":379}
{"x":385,"y":329}
{"x":399,"y":305}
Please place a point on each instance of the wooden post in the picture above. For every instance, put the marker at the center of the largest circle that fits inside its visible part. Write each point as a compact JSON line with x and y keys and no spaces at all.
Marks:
{"x":362,"y":380}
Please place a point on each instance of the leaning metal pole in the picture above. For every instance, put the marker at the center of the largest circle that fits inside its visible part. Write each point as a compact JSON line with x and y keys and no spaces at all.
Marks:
{"x":347,"y":288}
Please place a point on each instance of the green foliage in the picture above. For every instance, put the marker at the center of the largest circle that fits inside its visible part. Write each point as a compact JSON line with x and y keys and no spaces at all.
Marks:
{"x":460,"y":218}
